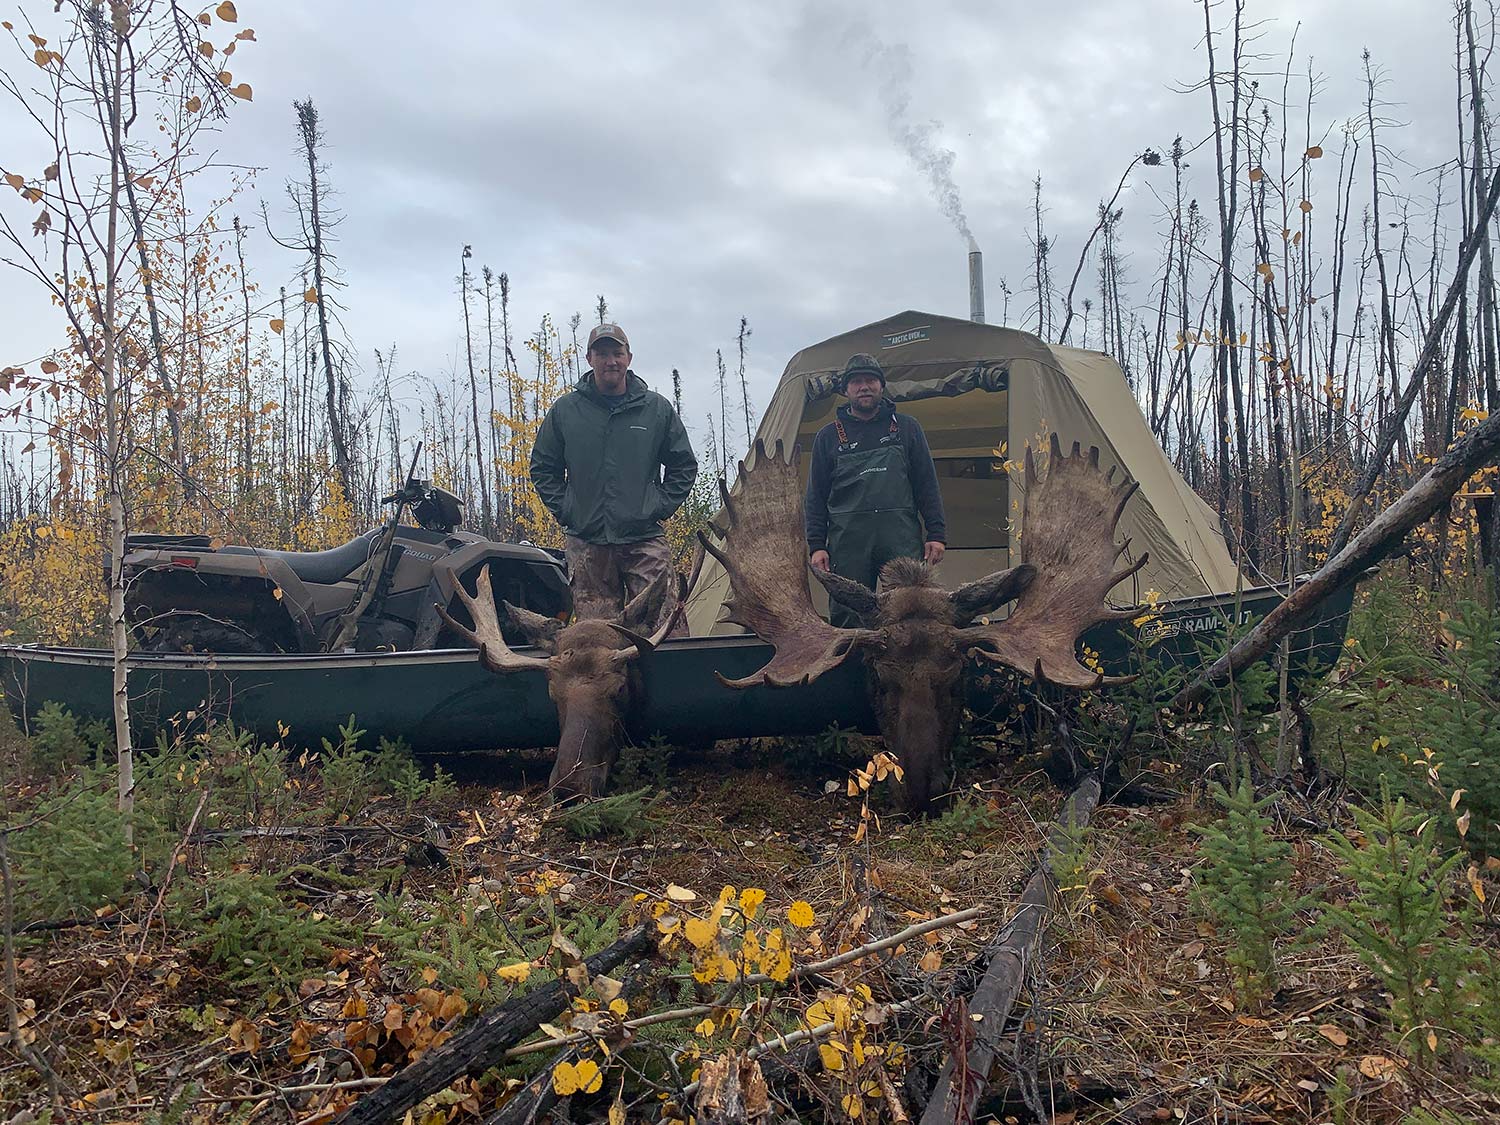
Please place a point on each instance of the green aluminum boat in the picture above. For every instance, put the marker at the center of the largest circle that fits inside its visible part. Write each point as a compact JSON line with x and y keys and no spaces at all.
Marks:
{"x":445,"y":701}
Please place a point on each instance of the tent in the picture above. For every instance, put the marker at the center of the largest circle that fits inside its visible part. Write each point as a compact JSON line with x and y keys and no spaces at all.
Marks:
{"x":982,"y":394}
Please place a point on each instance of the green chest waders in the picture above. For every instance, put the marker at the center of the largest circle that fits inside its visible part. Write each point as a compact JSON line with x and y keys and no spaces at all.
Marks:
{"x":872,"y":516}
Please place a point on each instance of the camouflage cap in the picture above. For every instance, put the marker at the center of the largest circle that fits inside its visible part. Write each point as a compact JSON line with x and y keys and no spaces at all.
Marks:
{"x":608,"y":332}
{"x":861,"y":363}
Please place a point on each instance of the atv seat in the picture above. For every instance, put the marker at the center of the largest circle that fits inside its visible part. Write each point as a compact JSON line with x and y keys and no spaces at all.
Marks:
{"x":318,"y":567}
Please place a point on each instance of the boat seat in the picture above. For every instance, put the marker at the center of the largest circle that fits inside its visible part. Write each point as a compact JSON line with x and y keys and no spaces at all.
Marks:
{"x":319,"y":567}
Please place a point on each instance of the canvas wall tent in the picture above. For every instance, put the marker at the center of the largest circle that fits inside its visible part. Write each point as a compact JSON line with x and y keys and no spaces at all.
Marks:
{"x":977,"y":388}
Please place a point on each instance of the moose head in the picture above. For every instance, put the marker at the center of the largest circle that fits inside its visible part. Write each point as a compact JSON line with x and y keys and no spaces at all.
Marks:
{"x":920,"y":637}
{"x":592,"y":676}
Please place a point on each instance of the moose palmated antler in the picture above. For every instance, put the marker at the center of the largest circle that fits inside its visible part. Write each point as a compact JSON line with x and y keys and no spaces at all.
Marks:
{"x":1068,"y":538}
{"x":765,"y":555}
{"x":494,"y":653}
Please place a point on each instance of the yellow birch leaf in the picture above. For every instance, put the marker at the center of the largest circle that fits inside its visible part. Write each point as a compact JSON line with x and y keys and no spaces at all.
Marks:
{"x":15,"y":181}
{"x":1256,"y":175}
{"x":194,"y":104}
{"x":311,"y":296}
{"x":832,"y":1059}
{"x":800,"y":914}
{"x":674,"y":892}
{"x":205,"y":19}
{"x":590,"y":1080}
{"x":277,"y":324}
{"x":243,"y":92}
{"x":226,"y":12}
{"x":705,"y":1027}
{"x":617,"y":1109}
{"x":1315,"y":152}
{"x":564,"y":1079}
{"x":206,"y":50}
{"x":750,"y":900}
{"x":225,"y":78}
{"x":1306,"y":206}
{"x":620,"y":1007}
{"x":41,"y":57}
{"x":700,"y":932}
{"x":514,"y":974}
{"x":36,"y":39}
{"x":248,"y":33}
{"x":50,"y":367}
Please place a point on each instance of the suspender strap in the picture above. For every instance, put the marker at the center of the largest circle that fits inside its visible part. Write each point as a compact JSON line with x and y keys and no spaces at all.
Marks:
{"x":838,"y":428}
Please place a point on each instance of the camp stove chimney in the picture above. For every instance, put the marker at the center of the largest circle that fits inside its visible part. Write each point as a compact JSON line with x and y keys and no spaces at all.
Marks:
{"x":976,"y":287}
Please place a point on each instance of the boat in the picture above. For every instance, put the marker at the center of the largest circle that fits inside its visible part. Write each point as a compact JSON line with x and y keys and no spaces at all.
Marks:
{"x":444,"y":701}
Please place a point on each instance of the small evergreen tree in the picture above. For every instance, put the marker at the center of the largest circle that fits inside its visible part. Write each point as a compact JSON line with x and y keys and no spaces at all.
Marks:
{"x":1244,"y":885}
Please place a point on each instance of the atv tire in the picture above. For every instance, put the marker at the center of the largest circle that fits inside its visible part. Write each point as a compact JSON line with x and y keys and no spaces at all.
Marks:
{"x":197,"y":635}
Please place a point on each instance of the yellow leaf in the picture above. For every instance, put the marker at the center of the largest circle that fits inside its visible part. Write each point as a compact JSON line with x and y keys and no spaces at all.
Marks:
{"x":931,"y":961}
{"x":205,"y":19}
{"x":50,"y":367}
{"x":225,"y":78}
{"x":801,"y":915}
{"x":700,"y":932}
{"x":1476,"y":884}
{"x":705,"y":1027}
{"x":832,"y":1059}
{"x":1432,"y":1041}
{"x":37,"y":40}
{"x":41,"y":57}
{"x":277,"y":324}
{"x":15,"y":181}
{"x":206,"y":50}
{"x":242,"y":91}
{"x":590,"y":1080}
{"x":778,"y":966}
{"x":226,"y":12}
{"x":312,"y":295}
{"x":194,"y":104}
{"x":248,"y":33}
{"x":514,"y":974}
{"x":1306,"y":206}
{"x":617,"y":1109}
{"x":564,"y":1079}
{"x":708,"y":972}
{"x":750,"y":900}
{"x":674,"y":892}
{"x":620,"y":1007}
{"x":1315,"y":152}
{"x":1463,"y":824}
{"x":1256,"y":175}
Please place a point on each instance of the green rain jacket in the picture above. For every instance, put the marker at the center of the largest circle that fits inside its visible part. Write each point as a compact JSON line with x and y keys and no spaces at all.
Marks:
{"x":612,"y":473}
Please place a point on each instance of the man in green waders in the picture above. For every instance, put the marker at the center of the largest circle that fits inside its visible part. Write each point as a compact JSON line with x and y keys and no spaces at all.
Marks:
{"x":872,"y":488}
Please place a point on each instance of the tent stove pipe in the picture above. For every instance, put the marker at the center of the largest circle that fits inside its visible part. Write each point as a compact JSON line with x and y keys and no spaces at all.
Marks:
{"x":976,"y":287}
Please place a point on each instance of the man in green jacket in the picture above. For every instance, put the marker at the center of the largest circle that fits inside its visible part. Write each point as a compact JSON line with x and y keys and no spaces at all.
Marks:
{"x":611,"y":461}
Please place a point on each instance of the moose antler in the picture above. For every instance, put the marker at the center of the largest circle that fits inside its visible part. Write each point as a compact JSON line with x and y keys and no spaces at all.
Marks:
{"x":765,"y":554}
{"x":494,"y":653}
{"x":1068,"y":538}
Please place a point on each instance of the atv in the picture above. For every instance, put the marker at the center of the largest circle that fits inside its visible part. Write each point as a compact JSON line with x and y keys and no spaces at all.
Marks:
{"x":377,"y":592}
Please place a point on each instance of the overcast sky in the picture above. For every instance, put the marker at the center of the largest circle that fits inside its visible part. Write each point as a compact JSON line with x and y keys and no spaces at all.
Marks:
{"x":699,"y":163}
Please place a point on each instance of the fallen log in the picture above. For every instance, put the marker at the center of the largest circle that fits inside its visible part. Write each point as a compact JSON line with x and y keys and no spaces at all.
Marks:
{"x":1476,"y":449}
{"x":962,"y":1080}
{"x":484,"y":1043}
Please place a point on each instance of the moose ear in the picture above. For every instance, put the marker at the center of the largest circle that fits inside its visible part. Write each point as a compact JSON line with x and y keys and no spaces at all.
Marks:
{"x":989,"y":593}
{"x":855,"y":596}
{"x":643,"y":610}
{"x":540,"y":631}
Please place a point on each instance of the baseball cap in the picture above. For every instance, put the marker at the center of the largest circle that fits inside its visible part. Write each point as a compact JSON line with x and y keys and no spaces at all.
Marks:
{"x":862,"y":363}
{"x":609,"y":332}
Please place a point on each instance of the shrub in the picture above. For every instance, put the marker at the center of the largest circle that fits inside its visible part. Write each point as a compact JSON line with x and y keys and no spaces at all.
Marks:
{"x":72,"y":858}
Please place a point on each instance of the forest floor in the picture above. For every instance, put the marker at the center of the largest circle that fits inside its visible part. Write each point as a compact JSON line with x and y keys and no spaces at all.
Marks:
{"x":195,"y":1004}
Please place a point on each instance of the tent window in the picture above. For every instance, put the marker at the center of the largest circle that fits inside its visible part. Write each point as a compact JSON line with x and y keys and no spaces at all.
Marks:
{"x":976,"y":501}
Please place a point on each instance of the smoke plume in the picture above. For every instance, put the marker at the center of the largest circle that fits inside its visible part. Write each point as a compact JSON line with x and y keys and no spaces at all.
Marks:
{"x":891,"y":66}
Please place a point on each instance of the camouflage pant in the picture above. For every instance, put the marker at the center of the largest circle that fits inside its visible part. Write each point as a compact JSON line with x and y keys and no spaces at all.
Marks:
{"x":605,"y":576}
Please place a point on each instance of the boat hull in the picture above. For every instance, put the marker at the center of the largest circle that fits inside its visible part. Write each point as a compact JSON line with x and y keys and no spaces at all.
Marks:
{"x":445,"y":701}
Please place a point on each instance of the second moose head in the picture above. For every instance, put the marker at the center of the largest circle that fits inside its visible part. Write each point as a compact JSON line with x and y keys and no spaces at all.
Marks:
{"x":591,"y":668}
